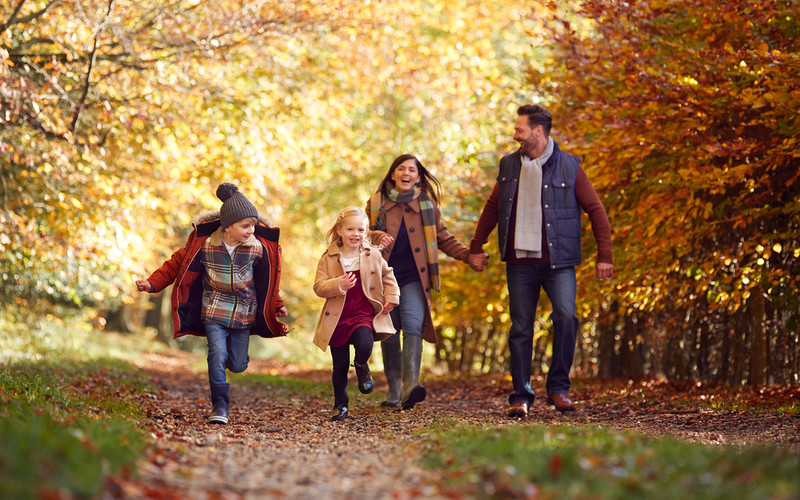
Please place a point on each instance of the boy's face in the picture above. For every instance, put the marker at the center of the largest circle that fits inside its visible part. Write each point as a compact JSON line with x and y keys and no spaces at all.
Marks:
{"x":240,"y":231}
{"x":352,"y":229}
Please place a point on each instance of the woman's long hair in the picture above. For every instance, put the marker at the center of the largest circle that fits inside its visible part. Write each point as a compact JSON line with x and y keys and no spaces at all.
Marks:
{"x":427,"y":181}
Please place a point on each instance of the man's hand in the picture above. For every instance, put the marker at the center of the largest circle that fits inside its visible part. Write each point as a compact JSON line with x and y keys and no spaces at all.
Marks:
{"x":478,"y":261}
{"x":603,"y":270}
{"x":387,"y":308}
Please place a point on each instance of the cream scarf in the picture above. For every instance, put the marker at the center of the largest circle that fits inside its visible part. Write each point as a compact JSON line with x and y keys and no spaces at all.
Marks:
{"x":528,"y":229}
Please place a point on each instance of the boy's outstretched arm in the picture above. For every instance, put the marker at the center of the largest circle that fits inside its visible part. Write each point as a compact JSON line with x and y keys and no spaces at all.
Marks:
{"x":144,"y":286}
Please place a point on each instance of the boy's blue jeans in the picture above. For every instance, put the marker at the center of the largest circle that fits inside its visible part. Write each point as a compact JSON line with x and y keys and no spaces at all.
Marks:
{"x":525,"y":281}
{"x":227,"y":349}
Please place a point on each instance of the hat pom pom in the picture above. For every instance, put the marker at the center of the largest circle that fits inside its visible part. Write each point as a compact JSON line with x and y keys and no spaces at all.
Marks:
{"x":226,"y":190}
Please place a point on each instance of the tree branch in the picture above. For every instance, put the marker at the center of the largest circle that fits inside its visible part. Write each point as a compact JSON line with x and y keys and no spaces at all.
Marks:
{"x":30,"y":17}
{"x":92,"y":59}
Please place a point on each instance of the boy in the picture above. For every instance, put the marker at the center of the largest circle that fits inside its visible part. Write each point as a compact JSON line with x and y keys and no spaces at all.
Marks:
{"x":227,"y":288}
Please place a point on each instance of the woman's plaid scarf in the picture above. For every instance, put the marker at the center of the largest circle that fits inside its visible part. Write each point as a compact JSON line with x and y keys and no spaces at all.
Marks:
{"x":377,"y":218}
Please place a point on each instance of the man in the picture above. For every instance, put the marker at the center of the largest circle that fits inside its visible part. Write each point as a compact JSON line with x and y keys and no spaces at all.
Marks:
{"x":536,"y":204}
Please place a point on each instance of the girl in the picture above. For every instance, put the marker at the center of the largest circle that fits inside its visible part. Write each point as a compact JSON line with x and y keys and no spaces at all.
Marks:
{"x":405,"y":221}
{"x":360,"y":291}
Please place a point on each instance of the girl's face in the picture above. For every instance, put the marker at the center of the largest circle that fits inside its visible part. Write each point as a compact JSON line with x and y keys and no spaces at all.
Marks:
{"x":352,"y":229}
{"x":405,"y":175}
{"x":241,"y":231}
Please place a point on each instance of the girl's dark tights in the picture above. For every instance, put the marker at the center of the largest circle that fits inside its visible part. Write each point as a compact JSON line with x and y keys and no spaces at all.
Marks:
{"x":362,"y":340}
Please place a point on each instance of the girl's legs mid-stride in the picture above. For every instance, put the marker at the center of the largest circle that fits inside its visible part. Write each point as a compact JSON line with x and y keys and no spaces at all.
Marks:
{"x":361,"y":339}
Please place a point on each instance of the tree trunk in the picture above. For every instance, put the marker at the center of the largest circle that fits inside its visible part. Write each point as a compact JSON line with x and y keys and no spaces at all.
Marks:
{"x":160,"y":317}
{"x":725,"y":350}
{"x":120,"y":320}
{"x":758,"y":337}
{"x":703,"y":351}
{"x":738,"y":344}
{"x":607,"y":357}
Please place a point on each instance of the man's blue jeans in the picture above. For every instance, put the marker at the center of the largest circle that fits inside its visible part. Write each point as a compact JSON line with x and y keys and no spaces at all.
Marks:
{"x":525,"y":281}
{"x":227,"y":348}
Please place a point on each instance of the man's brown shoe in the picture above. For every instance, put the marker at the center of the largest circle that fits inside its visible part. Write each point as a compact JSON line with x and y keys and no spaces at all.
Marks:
{"x":561,"y":402}
{"x":518,"y":410}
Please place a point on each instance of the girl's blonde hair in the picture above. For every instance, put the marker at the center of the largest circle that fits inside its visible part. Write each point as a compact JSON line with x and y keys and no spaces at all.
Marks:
{"x":331,"y":235}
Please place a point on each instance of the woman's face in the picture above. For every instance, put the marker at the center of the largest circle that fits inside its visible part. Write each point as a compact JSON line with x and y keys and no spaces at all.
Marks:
{"x":406,"y":175}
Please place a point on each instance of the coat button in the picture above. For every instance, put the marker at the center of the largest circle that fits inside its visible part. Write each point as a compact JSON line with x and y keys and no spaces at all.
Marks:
{"x":408,"y":210}
{"x":546,"y":186}
{"x":372,"y":287}
{"x":327,"y":313}
{"x":422,"y":270}
{"x":411,"y":229}
{"x":416,"y":249}
{"x":372,"y":272}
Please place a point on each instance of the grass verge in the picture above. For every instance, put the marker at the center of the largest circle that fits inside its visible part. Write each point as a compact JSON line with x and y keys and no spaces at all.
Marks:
{"x":68,"y":411}
{"x":541,"y":462}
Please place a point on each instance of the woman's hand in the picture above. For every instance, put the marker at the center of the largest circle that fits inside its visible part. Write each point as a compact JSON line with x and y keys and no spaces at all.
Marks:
{"x":387,"y":308}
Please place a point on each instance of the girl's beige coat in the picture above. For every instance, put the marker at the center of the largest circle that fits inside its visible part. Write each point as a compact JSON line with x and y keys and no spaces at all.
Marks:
{"x":377,"y":281}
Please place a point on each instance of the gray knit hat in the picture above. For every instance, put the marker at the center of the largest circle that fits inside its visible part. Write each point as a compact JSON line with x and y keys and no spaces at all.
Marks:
{"x":235,"y":206}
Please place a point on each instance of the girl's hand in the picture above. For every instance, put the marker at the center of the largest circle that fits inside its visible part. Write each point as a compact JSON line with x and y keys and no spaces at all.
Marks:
{"x":282,"y":312}
{"x":144,"y":286}
{"x":347,"y":281}
{"x":385,"y":241}
{"x":387,"y":308}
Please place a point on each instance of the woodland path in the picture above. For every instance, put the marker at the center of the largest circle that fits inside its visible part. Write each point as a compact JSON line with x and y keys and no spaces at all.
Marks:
{"x":286,"y":446}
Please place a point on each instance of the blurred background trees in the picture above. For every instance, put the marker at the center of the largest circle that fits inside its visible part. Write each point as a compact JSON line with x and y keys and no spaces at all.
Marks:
{"x":119,"y":119}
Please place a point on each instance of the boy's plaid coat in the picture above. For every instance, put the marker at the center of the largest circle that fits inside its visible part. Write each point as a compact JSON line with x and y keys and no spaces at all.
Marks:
{"x":187,"y":271}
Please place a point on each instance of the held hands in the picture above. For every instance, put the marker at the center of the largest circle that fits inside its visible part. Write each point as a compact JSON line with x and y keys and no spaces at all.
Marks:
{"x":387,"y":308}
{"x":603,"y":270}
{"x":478,"y":261}
{"x":144,"y":286}
{"x":347,"y":281}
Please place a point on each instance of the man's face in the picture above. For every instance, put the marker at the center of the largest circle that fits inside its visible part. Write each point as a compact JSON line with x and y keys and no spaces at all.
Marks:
{"x":529,"y":139}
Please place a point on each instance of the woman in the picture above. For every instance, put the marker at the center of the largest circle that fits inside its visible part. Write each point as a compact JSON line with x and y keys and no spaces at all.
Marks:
{"x":405,"y":221}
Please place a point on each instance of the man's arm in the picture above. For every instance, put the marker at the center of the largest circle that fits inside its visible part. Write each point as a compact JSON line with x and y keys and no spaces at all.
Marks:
{"x":478,"y":258}
{"x":590,"y":203}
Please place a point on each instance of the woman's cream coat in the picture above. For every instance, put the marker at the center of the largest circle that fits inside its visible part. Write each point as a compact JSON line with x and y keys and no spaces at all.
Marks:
{"x":377,"y":281}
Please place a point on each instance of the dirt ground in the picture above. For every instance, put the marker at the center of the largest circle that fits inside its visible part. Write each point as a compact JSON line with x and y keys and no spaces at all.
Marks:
{"x":279,"y":448}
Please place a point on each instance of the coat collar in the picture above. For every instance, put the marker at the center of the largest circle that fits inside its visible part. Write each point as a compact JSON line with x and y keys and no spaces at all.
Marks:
{"x":366,"y":248}
{"x":389,"y":204}
{"x":216,"y":239}
{"x":212,"y":215}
